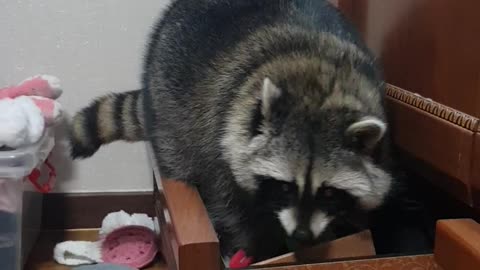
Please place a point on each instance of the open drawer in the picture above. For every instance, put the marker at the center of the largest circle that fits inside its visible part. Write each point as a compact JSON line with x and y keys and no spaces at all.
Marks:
{"x":189,"y":242}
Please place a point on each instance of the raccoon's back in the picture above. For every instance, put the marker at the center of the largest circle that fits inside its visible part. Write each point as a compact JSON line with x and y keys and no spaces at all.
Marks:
{"x":184,"y":117}
{"x":192,"y":33}
{"x":185,"y":112}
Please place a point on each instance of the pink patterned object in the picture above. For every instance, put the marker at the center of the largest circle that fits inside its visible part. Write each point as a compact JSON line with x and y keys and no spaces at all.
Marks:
{"x":124,"y":239}
{"x":132,"y":246}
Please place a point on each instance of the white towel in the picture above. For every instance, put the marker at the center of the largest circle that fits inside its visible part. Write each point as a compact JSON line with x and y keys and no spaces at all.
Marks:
{"x":21,"y":122}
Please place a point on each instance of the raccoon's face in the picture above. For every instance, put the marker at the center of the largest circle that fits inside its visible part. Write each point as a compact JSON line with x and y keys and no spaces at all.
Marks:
{"x":309,"y":160}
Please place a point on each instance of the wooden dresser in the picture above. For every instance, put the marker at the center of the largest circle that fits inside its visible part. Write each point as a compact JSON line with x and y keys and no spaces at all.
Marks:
{"x":429,"y":50}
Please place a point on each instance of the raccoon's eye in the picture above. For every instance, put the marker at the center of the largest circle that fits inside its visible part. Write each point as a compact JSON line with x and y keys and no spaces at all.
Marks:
{"x":285,"y":186}
{"x":288,"y":187}
{"x":326,"y":192}
{"x":278,"y":185}
{"x":334,"y":200}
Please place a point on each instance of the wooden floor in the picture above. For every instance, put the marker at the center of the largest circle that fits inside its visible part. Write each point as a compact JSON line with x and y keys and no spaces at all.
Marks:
{"x":41,"y":255}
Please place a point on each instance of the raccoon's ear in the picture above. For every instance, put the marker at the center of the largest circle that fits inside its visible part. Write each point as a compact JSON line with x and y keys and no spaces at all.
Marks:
{"x":270,"y":92}
{"x":366,"y":133}
{"x":266,"y":97}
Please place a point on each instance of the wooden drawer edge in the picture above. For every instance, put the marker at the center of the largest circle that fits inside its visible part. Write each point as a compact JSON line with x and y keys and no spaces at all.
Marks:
{"x":434,"y":108}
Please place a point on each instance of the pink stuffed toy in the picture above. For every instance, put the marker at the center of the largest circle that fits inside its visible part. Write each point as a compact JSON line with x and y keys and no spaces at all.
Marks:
{"x":27,"y":109}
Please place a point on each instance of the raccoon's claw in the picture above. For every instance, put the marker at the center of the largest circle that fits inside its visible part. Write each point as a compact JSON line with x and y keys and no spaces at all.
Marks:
{"x":240,"y":260}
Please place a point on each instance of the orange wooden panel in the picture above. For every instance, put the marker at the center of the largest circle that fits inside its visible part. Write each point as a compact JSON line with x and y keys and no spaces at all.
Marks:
{"x":457,"y":244}
{"x":427,"y":46}
{"x":188,"y":239}
{"x":187,"y":230}
{"x":352,"y":246}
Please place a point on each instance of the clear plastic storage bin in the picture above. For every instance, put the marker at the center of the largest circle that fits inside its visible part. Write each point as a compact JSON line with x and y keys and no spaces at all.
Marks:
{"x":20,"y":204}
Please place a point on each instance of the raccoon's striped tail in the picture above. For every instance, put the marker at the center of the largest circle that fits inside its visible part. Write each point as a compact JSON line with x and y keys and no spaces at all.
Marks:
{"x":107,"y":119}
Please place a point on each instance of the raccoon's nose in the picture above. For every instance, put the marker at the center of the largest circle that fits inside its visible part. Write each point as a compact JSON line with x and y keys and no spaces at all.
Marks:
{"x":303,"y":234}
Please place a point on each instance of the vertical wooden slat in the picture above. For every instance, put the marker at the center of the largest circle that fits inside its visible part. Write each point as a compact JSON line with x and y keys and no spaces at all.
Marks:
{"x":188,"y":239}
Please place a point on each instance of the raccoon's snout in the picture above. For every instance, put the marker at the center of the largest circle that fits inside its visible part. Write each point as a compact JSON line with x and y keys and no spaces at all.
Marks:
{"x":303,"y":234}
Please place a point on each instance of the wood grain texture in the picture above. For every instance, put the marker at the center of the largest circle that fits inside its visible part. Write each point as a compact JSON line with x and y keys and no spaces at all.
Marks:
{"x":422,"y":262}
{"x":457,"y":244}
{"x":191,"y":234}
{"x":41,"y":256}
{"x":427,"y":46}
{"x":354,"y":246}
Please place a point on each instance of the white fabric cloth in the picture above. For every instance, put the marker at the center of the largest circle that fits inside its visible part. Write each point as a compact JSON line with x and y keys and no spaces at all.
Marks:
{"x":21,"y":122}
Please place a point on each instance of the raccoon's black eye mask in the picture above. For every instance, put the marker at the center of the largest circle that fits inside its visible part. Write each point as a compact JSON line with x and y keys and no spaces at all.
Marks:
{"x":278,"y":192}
{"x":280,"y":185}
{"x":334,"y":201}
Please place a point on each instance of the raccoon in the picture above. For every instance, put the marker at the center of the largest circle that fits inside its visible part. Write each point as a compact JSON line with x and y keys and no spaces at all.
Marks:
{"x":272,"y":109}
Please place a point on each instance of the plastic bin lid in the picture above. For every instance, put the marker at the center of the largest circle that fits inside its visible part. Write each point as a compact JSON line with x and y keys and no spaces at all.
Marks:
{"x":18,"y":163}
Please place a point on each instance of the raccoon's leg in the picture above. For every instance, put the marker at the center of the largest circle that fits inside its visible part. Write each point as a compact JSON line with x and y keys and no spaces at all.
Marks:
{"x":232,"y":241}
{"x":259,"y":236}
{"x":227,"y":212}
{"x":268,"y":238}
{"x":107,"y":119}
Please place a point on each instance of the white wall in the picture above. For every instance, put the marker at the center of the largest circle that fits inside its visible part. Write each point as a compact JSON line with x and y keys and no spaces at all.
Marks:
{"x":94,"y":47}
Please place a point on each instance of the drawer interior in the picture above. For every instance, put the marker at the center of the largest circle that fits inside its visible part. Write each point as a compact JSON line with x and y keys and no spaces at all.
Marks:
{"x":403,"y":229}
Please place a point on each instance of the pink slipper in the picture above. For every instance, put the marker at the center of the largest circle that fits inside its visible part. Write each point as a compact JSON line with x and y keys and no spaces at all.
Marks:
{"x":132,"y":246}
{"x":124,"y":240}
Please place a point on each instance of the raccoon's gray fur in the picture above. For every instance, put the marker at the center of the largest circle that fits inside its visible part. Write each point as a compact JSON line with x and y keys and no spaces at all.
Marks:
{"x":273,"y":109}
